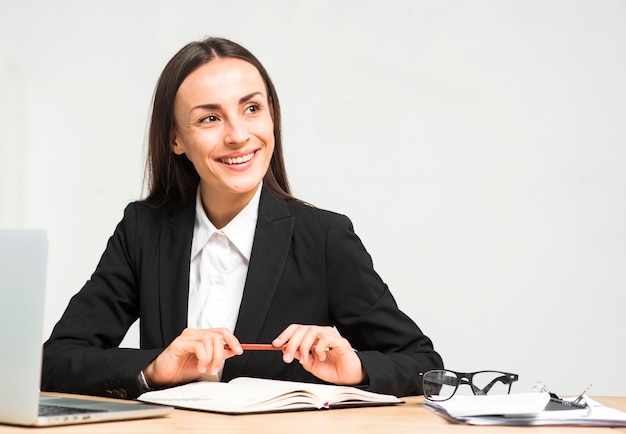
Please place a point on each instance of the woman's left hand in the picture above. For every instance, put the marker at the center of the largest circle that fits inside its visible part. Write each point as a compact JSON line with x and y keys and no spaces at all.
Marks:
{"x":323,"y":352}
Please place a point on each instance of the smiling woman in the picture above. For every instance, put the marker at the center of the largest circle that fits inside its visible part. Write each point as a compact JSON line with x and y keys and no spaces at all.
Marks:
{"x":173,"y":180}
{"x":220,"y":255}
{"x":223,"y":124}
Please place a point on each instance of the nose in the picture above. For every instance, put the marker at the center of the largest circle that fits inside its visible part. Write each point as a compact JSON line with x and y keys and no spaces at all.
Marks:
{"x":237,"y":132}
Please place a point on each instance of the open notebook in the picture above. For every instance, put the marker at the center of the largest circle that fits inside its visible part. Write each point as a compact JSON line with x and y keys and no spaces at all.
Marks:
{"x":23,"y":259}
{"x":246,"y":395}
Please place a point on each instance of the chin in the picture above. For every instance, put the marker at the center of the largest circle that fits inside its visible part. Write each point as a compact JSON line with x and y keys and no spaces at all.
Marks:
{"x":245,"y":188}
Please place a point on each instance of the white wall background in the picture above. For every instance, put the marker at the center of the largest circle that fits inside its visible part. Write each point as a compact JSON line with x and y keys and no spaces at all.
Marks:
{"x":479,"y":148}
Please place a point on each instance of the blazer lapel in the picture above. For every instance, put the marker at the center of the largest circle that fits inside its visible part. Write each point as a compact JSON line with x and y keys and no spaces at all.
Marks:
{"x":272,"y":240}
{"x":174,"y":260}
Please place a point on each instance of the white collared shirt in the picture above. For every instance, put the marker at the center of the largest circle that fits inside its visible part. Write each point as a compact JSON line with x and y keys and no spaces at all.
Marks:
{"x":219,"y":265}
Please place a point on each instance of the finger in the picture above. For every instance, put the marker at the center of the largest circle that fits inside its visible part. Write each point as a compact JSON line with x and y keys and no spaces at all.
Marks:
{"x":202,"y":344}
{"x":291,"y":347}
{"x":233,"y":344}
{"x":323,"y":345}
{"x":309,"y":339}
{"x":216,"y":342}
{"x":200,"y":351}
{"x":284,"y":337}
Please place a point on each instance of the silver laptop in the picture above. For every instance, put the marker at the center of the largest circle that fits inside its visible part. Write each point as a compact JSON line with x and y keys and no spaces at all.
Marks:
{"x":23,"y":260}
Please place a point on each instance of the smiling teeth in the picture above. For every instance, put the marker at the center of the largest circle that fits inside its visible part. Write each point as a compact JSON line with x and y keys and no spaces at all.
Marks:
{"x":238,"y":160}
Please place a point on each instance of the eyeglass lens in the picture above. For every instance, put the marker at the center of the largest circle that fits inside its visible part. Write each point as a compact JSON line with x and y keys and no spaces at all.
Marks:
{"x":440,"y":385}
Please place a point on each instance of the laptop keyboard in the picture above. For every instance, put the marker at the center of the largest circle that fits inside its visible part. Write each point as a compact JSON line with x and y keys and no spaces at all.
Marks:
{"x":55,"y":410}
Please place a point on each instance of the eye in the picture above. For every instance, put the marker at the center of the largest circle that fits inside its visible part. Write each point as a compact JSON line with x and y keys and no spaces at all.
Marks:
{"x":252,"y":108}
{"x":208,"y":119}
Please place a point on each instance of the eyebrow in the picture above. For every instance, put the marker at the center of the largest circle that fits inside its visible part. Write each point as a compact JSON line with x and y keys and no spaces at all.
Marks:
{"x":211,"y":106}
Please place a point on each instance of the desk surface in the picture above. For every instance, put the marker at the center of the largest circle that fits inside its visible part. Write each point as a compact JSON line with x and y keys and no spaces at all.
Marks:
{"x":407,"y":418}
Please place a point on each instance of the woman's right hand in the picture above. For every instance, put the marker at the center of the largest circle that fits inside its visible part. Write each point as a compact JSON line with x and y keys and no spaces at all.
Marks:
{"x":194,"y":353}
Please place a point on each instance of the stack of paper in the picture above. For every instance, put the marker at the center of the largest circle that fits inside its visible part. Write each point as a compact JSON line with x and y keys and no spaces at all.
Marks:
{"x":523,"y":409}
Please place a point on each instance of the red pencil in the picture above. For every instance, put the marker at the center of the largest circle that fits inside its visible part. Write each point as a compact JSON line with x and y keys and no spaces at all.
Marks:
{"x":257,"y":347}
{"x":263,"y":347}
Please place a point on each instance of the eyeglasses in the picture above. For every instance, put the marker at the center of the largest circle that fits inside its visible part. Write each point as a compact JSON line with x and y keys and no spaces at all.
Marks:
{"x":442,"y":384}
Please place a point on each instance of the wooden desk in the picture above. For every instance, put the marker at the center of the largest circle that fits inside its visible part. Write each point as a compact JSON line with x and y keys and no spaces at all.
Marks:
{"x":407,"y":418}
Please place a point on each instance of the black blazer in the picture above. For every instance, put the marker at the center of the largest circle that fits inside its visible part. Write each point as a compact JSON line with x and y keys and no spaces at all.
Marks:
{"x":307,"y":266}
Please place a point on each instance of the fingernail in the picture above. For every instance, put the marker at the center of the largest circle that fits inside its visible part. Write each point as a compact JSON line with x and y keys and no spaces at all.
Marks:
{"x":287,"y":358}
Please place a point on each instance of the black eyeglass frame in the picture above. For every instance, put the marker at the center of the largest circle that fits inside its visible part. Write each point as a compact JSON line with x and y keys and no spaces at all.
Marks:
{"x":507,"y":378}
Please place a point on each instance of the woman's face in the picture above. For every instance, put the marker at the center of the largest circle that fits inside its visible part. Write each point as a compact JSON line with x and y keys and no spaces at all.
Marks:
{"x":223,"y":124}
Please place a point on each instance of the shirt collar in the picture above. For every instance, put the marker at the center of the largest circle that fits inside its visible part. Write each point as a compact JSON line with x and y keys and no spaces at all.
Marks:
{"x":240,"y":230}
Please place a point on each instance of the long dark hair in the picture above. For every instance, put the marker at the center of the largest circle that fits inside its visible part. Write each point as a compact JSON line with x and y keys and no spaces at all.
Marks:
{"x":172,"y":179}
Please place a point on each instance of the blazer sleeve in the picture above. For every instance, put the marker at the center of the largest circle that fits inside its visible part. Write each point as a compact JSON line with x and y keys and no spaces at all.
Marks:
{"x":82,"y":354}
{"x":392,"y":348}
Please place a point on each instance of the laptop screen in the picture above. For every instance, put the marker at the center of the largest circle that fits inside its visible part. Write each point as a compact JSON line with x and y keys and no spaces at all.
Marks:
{"x":23,"y":260}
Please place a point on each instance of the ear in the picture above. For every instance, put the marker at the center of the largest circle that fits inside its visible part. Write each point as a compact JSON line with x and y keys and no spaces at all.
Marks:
{"x":176,"y":144}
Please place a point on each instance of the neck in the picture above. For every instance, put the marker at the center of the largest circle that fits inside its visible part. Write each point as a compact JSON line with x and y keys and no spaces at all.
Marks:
{"x":221,"y":207}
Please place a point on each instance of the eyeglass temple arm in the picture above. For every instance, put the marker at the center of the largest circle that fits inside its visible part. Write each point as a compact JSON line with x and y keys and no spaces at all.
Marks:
{"x":505,"y":379}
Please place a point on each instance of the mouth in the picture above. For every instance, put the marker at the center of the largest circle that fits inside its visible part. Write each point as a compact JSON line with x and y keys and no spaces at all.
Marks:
{"x":242,"y":159}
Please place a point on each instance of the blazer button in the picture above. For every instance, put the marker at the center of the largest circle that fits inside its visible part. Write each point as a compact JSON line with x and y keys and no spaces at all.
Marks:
{"x":123,"y":393}
{"x":109,"y":393}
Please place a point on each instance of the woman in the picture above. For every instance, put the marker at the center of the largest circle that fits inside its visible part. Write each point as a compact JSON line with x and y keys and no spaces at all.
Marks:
{"x":220,"y":254}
